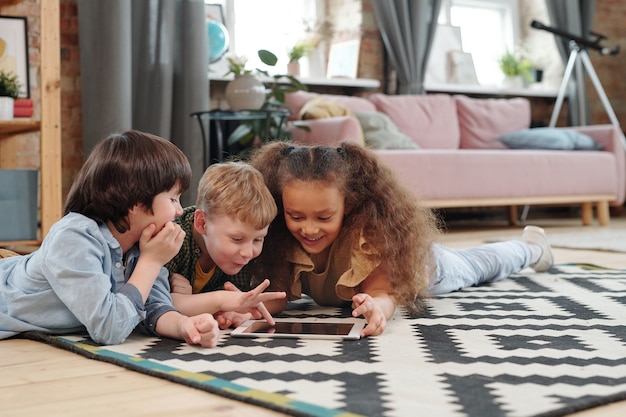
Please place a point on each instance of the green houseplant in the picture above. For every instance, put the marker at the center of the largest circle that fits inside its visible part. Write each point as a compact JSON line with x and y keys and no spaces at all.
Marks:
{"x":276,"y":89}
{"x":514,"y":66}
{"x":9,"y":84}
{"x":9,"y":90}
{"x":299,"y":50}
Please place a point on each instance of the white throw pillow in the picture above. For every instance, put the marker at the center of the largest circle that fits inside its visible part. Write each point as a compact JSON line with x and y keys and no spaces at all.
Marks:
{"x":380,"y":132}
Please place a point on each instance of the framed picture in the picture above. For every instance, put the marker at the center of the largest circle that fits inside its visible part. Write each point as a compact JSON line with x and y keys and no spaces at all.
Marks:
{"x":447,"y":38}
{"x":343,"y":60}
{"x":14,"y":50}
{"x":462,"y":68}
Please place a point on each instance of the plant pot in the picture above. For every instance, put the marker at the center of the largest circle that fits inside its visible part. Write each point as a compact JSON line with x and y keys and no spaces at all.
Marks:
{"x":6,"y":108}
{"x":293,"y":68}
{"x":245,"y":92}
{"x":513,"y":83}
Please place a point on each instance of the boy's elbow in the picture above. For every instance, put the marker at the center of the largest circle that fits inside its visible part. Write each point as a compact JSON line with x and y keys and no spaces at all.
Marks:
{"x":109,"y":339}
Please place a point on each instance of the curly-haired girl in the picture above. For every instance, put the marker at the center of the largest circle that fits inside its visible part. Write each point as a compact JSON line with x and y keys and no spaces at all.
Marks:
{"x":348,"y":232}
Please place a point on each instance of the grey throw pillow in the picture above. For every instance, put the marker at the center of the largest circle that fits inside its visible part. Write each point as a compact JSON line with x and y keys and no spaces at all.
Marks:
{"x":549,"y":138}
{"x":380,"y":132}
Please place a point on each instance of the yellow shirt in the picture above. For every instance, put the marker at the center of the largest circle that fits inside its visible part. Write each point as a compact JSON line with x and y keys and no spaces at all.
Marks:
{"x":202,"y":277}
{"x":349,"y":263}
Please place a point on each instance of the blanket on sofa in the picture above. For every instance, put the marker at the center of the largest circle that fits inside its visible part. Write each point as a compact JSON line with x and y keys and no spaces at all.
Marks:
{"x":534,"y":345}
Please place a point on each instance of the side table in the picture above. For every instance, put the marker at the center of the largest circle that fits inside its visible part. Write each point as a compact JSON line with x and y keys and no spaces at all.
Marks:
{"x":222,"y":122}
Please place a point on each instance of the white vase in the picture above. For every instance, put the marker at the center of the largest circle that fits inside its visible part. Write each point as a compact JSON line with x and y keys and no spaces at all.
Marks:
{"x":245,"y":92}
{"x":317,"y":62}
{"x":513,"y":83}
{"x":6,"y":108}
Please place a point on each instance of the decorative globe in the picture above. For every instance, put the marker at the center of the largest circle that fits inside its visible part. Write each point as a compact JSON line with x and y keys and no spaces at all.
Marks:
{"x":218,"y":39}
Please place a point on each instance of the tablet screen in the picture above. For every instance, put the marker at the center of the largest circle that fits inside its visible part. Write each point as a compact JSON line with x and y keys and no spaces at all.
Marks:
{"x":299,"y":329}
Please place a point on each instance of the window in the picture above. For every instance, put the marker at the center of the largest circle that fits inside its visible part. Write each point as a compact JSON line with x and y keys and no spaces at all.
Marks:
{"x":487,"y":29}
{"x":479,"y":21}
{"x":275,"y":25}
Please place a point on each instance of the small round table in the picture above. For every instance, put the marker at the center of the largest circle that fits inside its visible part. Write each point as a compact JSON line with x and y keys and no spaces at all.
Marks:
{"x":222,"y":117}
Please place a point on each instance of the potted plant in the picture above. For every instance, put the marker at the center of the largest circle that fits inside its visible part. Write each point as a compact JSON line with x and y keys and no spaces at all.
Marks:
{"x":297,"y":52}
{"x":9,"y":90}
{"x":247,"y":132}
{"x":516,"y":69}
{"x":246,"y":91}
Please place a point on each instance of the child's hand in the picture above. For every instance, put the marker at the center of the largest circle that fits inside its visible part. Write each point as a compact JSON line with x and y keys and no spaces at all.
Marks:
{"x":179,"y":284}
{"x":162,"y":246}
{"x":228,"y":319}
{"x":200,"y":330}
{"x":368,"y":307}
{"x":252,"y":301}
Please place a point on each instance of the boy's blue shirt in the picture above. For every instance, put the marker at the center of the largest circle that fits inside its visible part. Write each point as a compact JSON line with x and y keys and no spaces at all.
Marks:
{"x":77,"y":280}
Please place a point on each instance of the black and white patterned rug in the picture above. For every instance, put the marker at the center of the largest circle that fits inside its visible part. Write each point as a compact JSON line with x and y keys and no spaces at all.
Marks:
{"x":534,"y":345}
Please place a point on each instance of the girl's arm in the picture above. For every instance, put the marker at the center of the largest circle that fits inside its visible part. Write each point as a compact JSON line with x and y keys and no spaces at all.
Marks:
{"x":276,"y":306}
{"x":374,"y":302}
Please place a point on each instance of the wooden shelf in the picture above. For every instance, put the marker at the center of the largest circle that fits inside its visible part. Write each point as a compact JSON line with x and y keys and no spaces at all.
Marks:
{"x":49,"y":125}
{"x":348,"y":83}
{"x":534,"y":90}
{"x":13,"y":127}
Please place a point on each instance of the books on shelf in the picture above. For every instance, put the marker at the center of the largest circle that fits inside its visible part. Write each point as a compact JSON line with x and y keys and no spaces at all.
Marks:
{"x":23,"y":107}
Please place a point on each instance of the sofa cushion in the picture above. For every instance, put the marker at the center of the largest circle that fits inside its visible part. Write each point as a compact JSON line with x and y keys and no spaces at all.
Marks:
{"x":482,"y":121}
{"x":494,"y":173}
{"x":297,"y":99}
{"x":549,"y":138}
{"x":380,"y":132}
{"x":320,"y":108}
{"x":353,"y":103}
{"x":430,"y":120}
{"x":329,"y":132}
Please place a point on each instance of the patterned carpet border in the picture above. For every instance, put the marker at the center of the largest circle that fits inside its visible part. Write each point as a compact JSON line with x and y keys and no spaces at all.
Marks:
{"x":200,"y":381}
{"x":535,"y":345}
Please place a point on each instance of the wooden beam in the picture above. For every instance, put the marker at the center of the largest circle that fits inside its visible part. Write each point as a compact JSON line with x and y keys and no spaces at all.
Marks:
{"x":50,"y":138}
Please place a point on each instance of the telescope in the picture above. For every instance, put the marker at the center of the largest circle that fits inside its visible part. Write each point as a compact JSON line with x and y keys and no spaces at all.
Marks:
{"x":582,"y":42}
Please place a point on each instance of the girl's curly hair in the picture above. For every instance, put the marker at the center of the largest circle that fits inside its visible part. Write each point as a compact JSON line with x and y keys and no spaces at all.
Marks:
{"x":387,"y":214}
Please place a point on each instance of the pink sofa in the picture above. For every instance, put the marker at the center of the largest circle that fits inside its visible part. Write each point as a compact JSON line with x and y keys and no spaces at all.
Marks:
{"x":462,"y":163}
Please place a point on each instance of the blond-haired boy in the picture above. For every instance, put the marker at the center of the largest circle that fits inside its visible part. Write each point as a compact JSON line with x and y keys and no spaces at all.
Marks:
{"x":224,"y":231}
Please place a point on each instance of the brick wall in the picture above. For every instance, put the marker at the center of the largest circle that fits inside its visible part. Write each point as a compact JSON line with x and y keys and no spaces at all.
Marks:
{"x":71,"y":121}
{"x":28,"y":152}
{"x":610,"y":20}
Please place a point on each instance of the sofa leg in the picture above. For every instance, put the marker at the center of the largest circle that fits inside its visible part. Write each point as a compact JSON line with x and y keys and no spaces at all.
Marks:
{"x":604,"y":214}
{"x":513,"y":218}
{"x":587,"y":213}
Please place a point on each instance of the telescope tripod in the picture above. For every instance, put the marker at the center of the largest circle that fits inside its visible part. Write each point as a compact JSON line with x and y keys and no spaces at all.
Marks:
{"x":579,"y":56}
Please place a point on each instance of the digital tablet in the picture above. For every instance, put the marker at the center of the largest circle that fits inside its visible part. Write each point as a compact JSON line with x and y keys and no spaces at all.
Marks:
{"x":300,"y":329}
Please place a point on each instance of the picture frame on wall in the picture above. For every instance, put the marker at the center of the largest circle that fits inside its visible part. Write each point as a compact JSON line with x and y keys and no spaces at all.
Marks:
{"x":14,"y":50}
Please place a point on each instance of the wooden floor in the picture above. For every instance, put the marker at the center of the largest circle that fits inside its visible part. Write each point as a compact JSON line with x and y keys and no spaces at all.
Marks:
{"x":36,"y":379}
